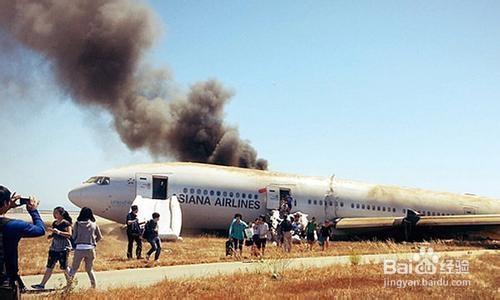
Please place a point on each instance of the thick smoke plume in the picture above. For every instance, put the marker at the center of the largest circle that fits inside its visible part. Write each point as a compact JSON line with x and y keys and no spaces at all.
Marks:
{"x":95,"y":49}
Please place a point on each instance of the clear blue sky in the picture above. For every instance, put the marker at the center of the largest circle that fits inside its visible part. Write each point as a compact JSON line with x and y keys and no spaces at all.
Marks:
{"x":397,"y":92}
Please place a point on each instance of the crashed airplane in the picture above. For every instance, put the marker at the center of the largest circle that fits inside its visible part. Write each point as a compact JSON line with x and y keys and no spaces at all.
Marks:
{"x":205,"y":197}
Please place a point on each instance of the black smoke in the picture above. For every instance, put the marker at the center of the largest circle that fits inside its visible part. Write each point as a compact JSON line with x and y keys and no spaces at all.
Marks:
{"x":95,"y":49}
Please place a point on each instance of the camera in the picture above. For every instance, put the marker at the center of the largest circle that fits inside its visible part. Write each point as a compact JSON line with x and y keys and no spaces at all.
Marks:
{"x":23,"y":201}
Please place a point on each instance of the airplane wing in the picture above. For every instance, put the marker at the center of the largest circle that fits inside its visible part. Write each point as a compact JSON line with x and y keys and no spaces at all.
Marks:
{"x":421,"y":227}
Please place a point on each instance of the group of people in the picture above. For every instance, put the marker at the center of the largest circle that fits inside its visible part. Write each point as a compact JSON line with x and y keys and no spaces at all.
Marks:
{"x":257,"y":234}
{"x":81,"y":237}
{"x":322,"y":231}
{"x":136,"y":231}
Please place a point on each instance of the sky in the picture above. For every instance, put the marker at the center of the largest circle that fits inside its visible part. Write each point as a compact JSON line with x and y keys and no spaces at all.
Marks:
{"x":396,"y":92}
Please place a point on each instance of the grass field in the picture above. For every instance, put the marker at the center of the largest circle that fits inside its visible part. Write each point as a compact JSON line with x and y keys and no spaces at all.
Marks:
{"x":344,"y":282}
{"x":111,"y":251}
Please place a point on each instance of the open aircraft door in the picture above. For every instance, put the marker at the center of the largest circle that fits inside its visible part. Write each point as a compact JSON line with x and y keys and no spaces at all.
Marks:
{"x":144,"y":185}
{"x":170,"y":224}
{"x":273,"y":197}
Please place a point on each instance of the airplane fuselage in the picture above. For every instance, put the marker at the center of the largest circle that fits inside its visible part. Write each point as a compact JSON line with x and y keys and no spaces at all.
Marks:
{"x":210,"y":195}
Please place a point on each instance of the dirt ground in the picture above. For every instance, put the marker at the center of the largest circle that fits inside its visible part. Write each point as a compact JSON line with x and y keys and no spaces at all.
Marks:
{"x":111,"y":251}
{"x":343,"y":282}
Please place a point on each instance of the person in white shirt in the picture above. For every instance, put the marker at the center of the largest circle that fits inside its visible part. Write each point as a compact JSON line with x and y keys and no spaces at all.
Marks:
{"x":262,"y":231}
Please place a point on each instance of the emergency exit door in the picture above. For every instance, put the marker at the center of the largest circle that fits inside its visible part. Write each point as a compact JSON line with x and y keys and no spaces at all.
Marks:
{"x":273,"y":197}
{"x":151,"y":186}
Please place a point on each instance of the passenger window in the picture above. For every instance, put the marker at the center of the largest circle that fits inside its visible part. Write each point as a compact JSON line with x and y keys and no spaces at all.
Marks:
{"x":341,"y":204}
{"x":320,"y":202}
{"x":192,"y":191}
{"x":218,"y":193}
{"x":309,"y":201}
{"x":363,"y":206}
{"x":315,"y":202}
{"x":393,"y":209}
{"x":185,"y":190}
{"x":237,"y":195}
{"x":256,"y":196}
{"x":212,"y":193}
{"x":368,"y":206}
{"x":231,"y":194}
{"x":243,"y":195}
{"x":352,"y":205}
{"x":378,"y":208}
{"x":357,"y":205}
{"x":383,"y":208}
{"x":224,"y":194}
{"x":198,"y":191}
{"x":205,"y":192}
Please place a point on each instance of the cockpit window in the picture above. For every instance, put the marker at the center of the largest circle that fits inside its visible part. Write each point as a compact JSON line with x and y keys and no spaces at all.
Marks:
{"x":99,"y":180}
{"x":92,"y":179}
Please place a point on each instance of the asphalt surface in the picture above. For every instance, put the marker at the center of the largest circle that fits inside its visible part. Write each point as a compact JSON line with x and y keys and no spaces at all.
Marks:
{"x":149,"y":276}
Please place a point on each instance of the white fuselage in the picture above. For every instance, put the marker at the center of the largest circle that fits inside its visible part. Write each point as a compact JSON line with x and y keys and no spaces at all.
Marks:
{"x":210,"y":195}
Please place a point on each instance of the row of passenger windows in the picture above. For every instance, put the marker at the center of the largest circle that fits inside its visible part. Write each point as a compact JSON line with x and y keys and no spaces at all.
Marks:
{"x":372,"y":207}
{"x":320,"y":202}
{"x":219,"y":193}
{"x":392,"y":209}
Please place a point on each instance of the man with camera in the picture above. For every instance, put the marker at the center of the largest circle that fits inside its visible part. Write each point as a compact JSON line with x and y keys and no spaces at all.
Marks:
{"x":11,"y":232}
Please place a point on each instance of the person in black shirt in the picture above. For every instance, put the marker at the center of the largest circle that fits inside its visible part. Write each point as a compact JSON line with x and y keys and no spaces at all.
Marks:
{"x":286,"y":228}
{"x":324,"y":233}
{"x":151,"y":235}
{"x":60,"y":247}
{"x":134,"y":233}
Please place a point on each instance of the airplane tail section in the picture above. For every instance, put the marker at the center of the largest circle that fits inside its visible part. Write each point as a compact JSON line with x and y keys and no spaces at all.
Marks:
{"x":170,"y":224}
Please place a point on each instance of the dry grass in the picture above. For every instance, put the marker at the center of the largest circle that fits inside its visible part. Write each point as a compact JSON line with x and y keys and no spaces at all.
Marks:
{"x":111,"y":252}
{"x":345,"y":282}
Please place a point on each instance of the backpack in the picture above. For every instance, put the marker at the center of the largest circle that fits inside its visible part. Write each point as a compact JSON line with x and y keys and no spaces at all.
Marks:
{"x":135,"y":229}
{"x":229,"y":247}
{"x":8,"y":288}
{"x":148,"y":229}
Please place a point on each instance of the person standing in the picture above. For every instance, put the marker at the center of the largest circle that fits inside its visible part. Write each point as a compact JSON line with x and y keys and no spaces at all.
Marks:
{"x":151,"y":235}
{"x":289,"y":203}
{"x":60,"y":246}
{"x":86,"y":235}
{"x":324,"y":232}
{"x":262,"y":231}
{"x":133,"y":233}
{"x":236,"y":233}
{"x":254,"y":227}
{"x":310,"y":230}
{"x":286,"y":228}
{"x":11,"y":232}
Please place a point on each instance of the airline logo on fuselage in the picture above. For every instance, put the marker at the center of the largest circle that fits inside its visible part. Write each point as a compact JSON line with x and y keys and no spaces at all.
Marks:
{"x":218,"y":201}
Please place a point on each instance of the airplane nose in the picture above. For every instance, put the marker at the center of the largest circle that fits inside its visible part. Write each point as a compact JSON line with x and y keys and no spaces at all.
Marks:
{"x":75,"y":196}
